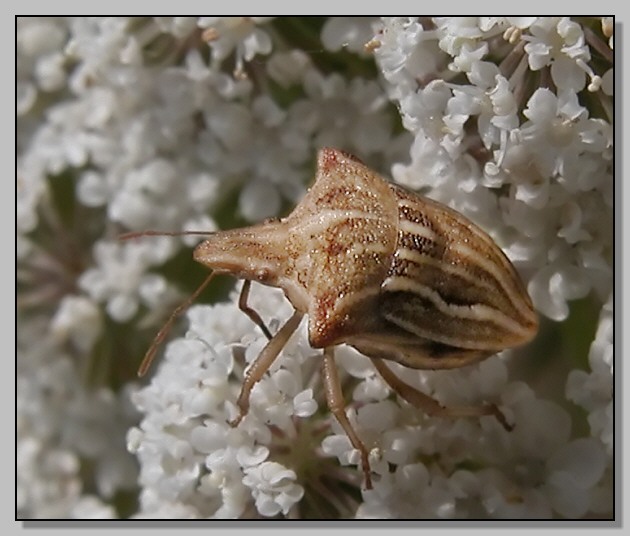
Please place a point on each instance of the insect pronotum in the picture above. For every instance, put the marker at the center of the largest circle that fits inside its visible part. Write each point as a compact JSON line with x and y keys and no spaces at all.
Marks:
{"x":397,"y":276}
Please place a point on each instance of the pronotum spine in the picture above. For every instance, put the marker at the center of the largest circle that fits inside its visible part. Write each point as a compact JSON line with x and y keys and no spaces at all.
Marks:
{"x":398,"y":276}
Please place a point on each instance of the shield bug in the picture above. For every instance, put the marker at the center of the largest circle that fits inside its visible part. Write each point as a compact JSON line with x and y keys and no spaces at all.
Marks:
{"x":395,"y":275}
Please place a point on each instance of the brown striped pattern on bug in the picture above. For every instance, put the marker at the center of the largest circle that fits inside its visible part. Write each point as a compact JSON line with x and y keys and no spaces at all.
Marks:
{"x":398,"y":276}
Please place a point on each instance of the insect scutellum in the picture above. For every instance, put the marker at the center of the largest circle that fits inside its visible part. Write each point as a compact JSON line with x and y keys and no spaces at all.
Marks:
{"x":398,"y":276}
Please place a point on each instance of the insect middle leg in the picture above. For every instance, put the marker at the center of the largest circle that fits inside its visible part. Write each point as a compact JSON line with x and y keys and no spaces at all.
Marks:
{"x":262,"y":363}
{"x":336,"y":404}
{"x":431,"y":406}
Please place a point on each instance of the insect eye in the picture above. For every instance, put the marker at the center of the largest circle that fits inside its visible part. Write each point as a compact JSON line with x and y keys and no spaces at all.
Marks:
{"x":263,"y":275}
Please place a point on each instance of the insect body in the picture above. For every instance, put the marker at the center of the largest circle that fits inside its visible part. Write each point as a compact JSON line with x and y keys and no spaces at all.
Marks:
{"x":395,"y":275}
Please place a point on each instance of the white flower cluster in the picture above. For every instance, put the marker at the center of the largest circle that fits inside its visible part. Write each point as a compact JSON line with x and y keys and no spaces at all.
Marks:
{"x":189,"y":455}
{"x":64,"y":428}
{"x":176,"y":123}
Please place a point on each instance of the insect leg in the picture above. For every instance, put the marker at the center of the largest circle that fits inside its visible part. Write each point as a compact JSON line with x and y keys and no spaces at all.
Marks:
{"x":262,"y":363}
{"x":253,"y":315}
{"x":336,"y":404}
{"x":431,"y":406}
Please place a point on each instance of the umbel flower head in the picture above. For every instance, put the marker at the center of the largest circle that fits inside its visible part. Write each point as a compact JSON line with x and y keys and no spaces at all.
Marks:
{"x":178,"y":123}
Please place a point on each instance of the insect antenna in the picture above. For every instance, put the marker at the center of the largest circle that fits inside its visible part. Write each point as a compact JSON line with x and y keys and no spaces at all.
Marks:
{"x":159,"y":338}
{"x":138,"y":234}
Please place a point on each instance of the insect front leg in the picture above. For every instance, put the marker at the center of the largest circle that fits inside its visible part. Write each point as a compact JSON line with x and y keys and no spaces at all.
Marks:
{"x":261,"y":364}
{"x":431,"y":406}
{"x":253,"y":315}
{"x":336,"y":404}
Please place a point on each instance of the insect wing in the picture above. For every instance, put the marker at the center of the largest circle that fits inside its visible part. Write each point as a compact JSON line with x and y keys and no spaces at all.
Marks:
{"x":450,"y":284}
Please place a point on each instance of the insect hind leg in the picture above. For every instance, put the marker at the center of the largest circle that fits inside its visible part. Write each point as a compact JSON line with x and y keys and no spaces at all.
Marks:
{"x":336,"y":404}
{"x":431,"y":406}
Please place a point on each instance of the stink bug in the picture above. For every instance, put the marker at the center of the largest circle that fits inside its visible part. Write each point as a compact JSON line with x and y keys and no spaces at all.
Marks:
{"x":397,"y":276}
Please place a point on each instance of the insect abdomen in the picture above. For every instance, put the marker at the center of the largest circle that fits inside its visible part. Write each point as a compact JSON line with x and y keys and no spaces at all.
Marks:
{"x":449,"y":283}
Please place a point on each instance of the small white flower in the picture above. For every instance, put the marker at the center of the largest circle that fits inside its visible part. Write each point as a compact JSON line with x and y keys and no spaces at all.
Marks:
{"x":240,"y":34}
{"x":273,"y":487}
{"x":303,"y":404}
{"x":425,"y":109}
{"x":571,"y":219}
{"x":461,"y":37}
{"x":559,"y":42}
{"x":406,"y":53}
{"x":553,"y":286}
